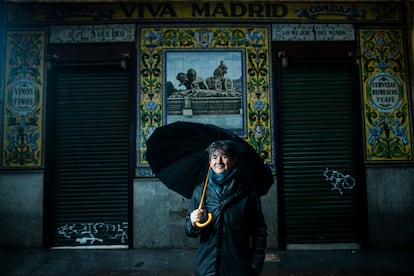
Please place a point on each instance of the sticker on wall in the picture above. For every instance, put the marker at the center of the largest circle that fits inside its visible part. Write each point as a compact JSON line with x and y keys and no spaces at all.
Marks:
{"x":386,"y":105}
{"x":23,"y":96}
{"x":217,"y":76}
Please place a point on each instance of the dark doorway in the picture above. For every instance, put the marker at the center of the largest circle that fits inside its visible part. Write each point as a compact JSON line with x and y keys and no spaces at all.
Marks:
{"x":319,"y":153}
{"x":89,"y":158}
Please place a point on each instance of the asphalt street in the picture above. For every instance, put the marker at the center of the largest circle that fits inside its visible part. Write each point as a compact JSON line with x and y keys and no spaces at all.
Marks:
{"x":100,"y":262}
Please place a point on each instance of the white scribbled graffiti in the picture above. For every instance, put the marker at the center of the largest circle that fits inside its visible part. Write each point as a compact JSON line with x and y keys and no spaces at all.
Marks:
{"x":95,"y":233}
{"x":339,"y":181}
{"x":90,"y":240}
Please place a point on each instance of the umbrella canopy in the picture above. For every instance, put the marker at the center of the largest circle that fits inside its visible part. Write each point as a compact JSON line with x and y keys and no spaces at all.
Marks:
{"x":177,"y":155}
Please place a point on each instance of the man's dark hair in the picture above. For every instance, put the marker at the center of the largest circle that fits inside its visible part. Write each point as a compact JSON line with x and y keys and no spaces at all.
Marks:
{"x":224,"y":146}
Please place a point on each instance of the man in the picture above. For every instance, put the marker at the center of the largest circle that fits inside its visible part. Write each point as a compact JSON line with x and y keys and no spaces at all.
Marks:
{"x":235,"y":241}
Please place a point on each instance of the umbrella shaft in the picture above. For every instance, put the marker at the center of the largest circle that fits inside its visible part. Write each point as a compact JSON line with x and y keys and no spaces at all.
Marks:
{"x":204,"y":190}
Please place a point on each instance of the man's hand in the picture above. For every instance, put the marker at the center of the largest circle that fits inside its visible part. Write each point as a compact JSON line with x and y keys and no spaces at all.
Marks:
{"x":196,"y":216}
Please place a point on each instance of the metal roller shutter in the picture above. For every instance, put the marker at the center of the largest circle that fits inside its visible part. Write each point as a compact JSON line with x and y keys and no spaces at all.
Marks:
{"x":90,"y":179}
{"x":317,"y":134}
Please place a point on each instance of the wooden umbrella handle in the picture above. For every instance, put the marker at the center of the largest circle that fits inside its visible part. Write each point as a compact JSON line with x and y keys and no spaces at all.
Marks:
{"x":200,"y":206}
{"x":207,"y":222}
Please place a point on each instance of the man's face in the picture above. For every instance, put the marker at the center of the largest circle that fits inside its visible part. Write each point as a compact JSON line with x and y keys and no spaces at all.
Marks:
{"x":221,"y":162}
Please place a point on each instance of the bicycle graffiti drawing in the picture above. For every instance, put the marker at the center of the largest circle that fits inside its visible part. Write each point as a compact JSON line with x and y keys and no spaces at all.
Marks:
{"x":339,"y":181}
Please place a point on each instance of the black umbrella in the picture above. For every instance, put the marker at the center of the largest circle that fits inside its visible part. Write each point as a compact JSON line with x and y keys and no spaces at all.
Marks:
{"x":177,"y":155}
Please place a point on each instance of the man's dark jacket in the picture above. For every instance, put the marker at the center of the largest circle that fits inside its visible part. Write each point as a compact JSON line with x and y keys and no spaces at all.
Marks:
{"x":234,"y":243}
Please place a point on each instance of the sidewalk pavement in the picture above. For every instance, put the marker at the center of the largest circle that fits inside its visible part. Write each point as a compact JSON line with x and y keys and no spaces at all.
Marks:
{"x":163,"y":262}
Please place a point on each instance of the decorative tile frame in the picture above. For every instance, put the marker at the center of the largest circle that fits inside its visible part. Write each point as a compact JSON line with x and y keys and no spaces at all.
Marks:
{"x":254,"y":41}
{"x":23,"y":100}
{"x":387,"y":114}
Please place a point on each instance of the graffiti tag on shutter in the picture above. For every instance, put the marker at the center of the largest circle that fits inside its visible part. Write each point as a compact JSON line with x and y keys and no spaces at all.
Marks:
{"x":339,"y":181}
{"x":95,"y":233}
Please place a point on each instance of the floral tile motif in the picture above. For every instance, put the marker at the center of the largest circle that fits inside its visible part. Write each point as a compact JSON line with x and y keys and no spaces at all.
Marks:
{"x":386,"y":105}
{"x":23,"y":100}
